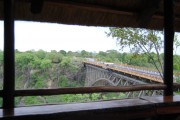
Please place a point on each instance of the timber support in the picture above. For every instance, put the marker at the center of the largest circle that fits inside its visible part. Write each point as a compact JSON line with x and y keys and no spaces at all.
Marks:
{"x":9,"y":68}
{"x":168,"y":46}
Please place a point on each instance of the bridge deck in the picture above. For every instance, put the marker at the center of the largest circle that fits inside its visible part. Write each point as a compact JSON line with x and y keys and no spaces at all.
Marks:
{"x":144,"y":74}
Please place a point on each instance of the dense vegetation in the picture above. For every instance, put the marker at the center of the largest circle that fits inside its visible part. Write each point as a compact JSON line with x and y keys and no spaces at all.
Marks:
{"x":41,"y":69}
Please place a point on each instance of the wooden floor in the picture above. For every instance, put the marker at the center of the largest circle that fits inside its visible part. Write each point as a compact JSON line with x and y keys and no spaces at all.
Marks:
{"x":142,"y":108}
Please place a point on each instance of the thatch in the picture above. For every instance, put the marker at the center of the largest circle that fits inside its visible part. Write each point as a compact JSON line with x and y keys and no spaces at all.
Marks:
{"x":116,"y":13}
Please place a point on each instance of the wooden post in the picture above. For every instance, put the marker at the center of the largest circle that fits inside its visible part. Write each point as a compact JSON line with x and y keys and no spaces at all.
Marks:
{"x":9,"y":71}
{"x":168,"y":46}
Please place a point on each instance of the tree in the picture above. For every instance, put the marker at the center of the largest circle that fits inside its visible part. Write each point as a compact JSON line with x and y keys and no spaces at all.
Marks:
{"x":114,"y":55}
{"x":1,"y":69}
{"x":101,"y":56}
{"x":176,"y":63}
{"x":140,"y":41}
{"x":1,"y":57}
{"x":23,"y":60}
{"x":40,"y":54}
{"x":85,"y":53}
{"x":54,"y":56}
{"x":63,"y":52}
{"x":66,"y":62}
{"x":176,"y":43}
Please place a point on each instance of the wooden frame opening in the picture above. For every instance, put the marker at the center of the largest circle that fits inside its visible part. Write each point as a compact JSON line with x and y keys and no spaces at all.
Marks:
{"x":9,"y":93}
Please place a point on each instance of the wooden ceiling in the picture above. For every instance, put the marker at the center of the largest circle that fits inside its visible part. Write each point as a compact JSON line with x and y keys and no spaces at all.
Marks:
{"x":109,"y":13}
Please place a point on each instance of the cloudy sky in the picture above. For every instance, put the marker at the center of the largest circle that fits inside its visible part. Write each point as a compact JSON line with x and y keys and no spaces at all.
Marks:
{"x":46,"y":36}
{"x":35,"y":36}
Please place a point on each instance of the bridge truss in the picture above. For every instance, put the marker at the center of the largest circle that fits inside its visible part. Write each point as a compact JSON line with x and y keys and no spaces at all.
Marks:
{"x":96,"y":76}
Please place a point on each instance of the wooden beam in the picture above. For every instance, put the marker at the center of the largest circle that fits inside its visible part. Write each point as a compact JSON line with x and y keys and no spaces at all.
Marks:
{"x":112,"y":10}
{"x":82,"y":90}
{"x":1,"y":93}
{"x":145,"y":16}
{"x":176,"y":86}
{"x":37,"y":92}
{"x":177,"y":3}
{"x":9,"y":68}
{"x":168,"y":46}
{"x":36,"y":6}
{"x":91,"y":7}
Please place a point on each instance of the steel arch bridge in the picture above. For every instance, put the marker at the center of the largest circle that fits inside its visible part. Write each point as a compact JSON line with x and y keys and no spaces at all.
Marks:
{"x":100,"y":76}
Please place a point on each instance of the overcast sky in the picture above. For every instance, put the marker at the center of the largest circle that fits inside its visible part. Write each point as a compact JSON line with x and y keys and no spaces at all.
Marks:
{"x":35,"y":36}
{"x":46,"y":36}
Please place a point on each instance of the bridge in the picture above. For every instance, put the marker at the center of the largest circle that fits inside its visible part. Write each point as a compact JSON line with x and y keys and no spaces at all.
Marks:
{"x":109,"y":74}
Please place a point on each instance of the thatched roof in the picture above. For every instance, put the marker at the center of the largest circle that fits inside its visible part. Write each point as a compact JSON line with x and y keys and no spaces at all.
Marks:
{"x":119,"y":13}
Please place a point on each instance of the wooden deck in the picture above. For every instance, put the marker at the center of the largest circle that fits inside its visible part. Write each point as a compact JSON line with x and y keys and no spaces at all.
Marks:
{"x":142,"y":108}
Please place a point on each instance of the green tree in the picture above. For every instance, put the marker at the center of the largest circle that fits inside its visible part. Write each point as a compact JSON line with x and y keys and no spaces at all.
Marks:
{"x":23,"y":60}
{"x":85,"y":53}
{"x":140,"y":41}
{"x":176,"y":44}
{"x":54,"y":56}
{"x":66,"y":62}
{"x":114,"y":55}
{"x":45,"y":64}
{"x":1,"y":57}
{"x":40,"y":54}
{"x":63,"y":52}
{"x":176,"y":62}
{"x":1,"y":69}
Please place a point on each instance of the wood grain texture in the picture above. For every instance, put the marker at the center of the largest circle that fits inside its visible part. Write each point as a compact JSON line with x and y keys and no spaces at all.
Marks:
{"x":149,"y":108}
{"x":82,"y":90}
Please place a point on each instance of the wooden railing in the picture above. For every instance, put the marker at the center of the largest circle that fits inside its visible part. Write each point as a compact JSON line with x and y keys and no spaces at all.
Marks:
{"x":83,"y":90}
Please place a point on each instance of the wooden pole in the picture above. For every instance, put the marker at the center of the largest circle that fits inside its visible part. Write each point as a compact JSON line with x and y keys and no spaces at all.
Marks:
{"x":82,"y":90}
{"x":168,"y":46}
{"x":9,"y":72}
